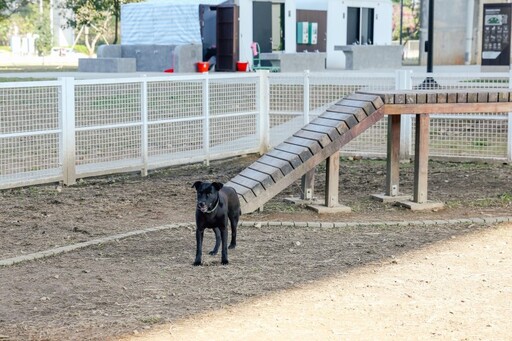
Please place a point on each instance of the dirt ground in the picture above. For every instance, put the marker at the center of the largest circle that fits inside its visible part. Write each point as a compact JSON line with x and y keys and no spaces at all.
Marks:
{"x":138,"y":284}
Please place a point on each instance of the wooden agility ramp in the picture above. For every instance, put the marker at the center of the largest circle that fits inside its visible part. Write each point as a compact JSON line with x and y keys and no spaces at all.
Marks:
{"x":320,"y":140}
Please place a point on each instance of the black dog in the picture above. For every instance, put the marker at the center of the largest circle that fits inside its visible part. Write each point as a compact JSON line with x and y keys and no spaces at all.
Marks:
{"x":216,"y":204}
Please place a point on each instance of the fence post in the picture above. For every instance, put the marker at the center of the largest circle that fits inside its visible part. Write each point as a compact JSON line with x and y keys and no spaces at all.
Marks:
{"x":403,"y":81}
{"x":264,"y":107}
{"x":68,"y":139}
{"x":206,"y":113}
{"x":306,"y":97}
{"x":144,"y":132}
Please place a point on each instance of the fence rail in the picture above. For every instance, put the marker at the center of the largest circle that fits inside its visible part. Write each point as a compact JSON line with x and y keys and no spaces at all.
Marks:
{"x":68,"y":129}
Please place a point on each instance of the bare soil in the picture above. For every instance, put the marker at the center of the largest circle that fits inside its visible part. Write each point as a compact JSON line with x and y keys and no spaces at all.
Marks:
{"x":114,"y":289}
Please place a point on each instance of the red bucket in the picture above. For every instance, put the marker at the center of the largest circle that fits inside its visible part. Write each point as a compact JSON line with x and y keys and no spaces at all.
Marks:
{"x":203,"y":66}
{"x":241,"y":66}
{"x":171,"y":70}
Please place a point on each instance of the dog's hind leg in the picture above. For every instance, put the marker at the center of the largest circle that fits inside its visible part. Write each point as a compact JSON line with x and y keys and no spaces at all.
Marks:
{"x":213,"y":252}
{"x":233,"y":220}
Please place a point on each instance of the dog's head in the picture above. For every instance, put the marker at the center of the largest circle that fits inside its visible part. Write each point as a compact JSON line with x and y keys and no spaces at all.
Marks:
{"x":207,"y":195}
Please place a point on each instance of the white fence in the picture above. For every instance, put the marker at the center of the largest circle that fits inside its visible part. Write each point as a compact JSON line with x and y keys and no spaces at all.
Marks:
{"x":68,"y":129}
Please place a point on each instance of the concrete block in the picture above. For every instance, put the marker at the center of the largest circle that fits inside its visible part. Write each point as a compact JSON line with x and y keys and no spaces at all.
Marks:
{"x":109,"y":51}
{"x":361,"y":57}
{"x":106,"y":65}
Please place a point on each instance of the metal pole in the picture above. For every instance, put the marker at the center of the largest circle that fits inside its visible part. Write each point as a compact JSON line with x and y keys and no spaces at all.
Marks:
{"x":430,"y":55}
{"x":401,"y":19}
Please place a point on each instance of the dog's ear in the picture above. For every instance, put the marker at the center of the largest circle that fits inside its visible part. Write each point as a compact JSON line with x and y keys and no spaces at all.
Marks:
{"x":197,"y":184}
{"x":217,"y":185}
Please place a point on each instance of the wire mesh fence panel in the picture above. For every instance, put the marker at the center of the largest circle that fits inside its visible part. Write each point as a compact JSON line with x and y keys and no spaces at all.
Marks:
{"x":233,"y":96}
{"x":175,"y":99}
{"x":107,"y":104}
{"x":232,"y":133}
{"x":175,"y":137}
{"x":30,"y":133}
{"x":108,"y":144}
{"x":20,"y":156}
{"x":463,"y":135}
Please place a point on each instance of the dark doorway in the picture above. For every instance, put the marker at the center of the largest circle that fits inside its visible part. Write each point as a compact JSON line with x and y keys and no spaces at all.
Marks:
{"x":268,"y":26}
{"x":360,"y":25}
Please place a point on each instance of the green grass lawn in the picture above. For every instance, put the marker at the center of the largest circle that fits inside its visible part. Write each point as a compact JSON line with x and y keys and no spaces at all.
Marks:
{"x":32,"y":68}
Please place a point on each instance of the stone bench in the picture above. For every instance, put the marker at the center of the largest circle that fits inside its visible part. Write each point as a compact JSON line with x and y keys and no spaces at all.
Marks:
{"x":360,"y":57}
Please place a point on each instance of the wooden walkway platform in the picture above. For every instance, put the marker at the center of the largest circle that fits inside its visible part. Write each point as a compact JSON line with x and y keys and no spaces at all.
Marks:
{"x":322,"y":139}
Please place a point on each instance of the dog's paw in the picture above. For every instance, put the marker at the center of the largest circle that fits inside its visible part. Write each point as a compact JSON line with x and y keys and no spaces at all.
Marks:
{"x":212,"y":253}
{"x":225,"y":262}
{"x":197,"y":263}
{"x":232,"y":246}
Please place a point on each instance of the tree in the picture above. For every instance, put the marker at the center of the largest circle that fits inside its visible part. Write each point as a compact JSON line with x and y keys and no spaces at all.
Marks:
{"x":9,"y":7}
{"x":44,"y":42}
{"x":91,"y":17}
{"x":94,"y":18}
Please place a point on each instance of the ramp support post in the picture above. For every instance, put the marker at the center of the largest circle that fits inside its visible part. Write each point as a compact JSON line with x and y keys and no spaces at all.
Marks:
{"x":332,"y":178}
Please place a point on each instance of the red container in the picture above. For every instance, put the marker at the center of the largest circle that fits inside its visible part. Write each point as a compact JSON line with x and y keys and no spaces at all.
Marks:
{"x":242,"y":66}
{"x":203,"y":66}
{"x":171,"y":70}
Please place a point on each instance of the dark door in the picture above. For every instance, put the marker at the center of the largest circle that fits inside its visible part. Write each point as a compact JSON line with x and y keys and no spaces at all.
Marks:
{"x":227,"y":38}
{"x":353,"y":25}
{"x":262,"y":25}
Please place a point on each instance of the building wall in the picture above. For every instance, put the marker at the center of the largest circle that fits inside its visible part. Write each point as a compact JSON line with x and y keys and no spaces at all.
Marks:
{"x":337,"y":26}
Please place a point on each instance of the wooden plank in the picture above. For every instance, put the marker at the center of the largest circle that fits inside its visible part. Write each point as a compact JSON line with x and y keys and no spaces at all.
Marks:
{"x":264,"y":179}
{"x":366,"y":106}
{"x":293,"y":159}
{"x":503,"y":96}
{"x":243,"y":192}
{"x":340,"y":126}
{"x":452,"y":98}
{"x":431,"y":98}
{"x":483,"y":97}
{"x":331,"y":131}
{"x":421,"y":98}
{"x":410,"y":98}
{"x":462,"y":97}
{"x":472,"y":97}
{"x":493,"y":97}
{"x":400,"y":98}
{"x":283,"y":165}
{"x":322,"y":139}
{"x":421,"y":158}
{"x":253,"y":185}
{"x":313,"y":146}
{"x":375,"y":99}
{"x":442,"y":97}
{"x":297,"y":173}
{"x":274,"y":172}
{"x":350,"y":120}
{"x":302,"y":152}
{"x":393,"y":159}
{"x":359,"y":113}
{"x":447,"y":108}
{"x":332,"y":178}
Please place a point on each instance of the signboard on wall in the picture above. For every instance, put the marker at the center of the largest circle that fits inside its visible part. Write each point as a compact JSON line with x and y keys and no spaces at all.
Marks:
{"x":496,"y":37}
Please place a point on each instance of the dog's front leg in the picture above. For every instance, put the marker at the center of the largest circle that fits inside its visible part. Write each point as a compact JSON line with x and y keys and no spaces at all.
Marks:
{"x":217,"y":241}
{"x":199,"y":245}
{"x":224,"y":236}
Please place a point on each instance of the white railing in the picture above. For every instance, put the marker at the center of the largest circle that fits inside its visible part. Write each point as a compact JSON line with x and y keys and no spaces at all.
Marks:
{"x":68,"y":129}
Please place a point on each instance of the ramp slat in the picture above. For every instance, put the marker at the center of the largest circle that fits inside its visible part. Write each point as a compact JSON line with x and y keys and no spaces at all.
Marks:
{"x":350,"y":120}
{"x":313,"y":146}
{"x":284,"y":166}
{"x":253,"y":185}
{"x":293,"y":159}
{"x":323,"y":139}
{"x":273,"y":172}
{"x":366,"y":106}
{"x":340,"y":126}
{"x":302,"y":152}
{"x":358,"y":113}
{"x":332,"y":132}
{"x":376,"y":100}
{"x":264,"y":179}
{"x":244,"y":193}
